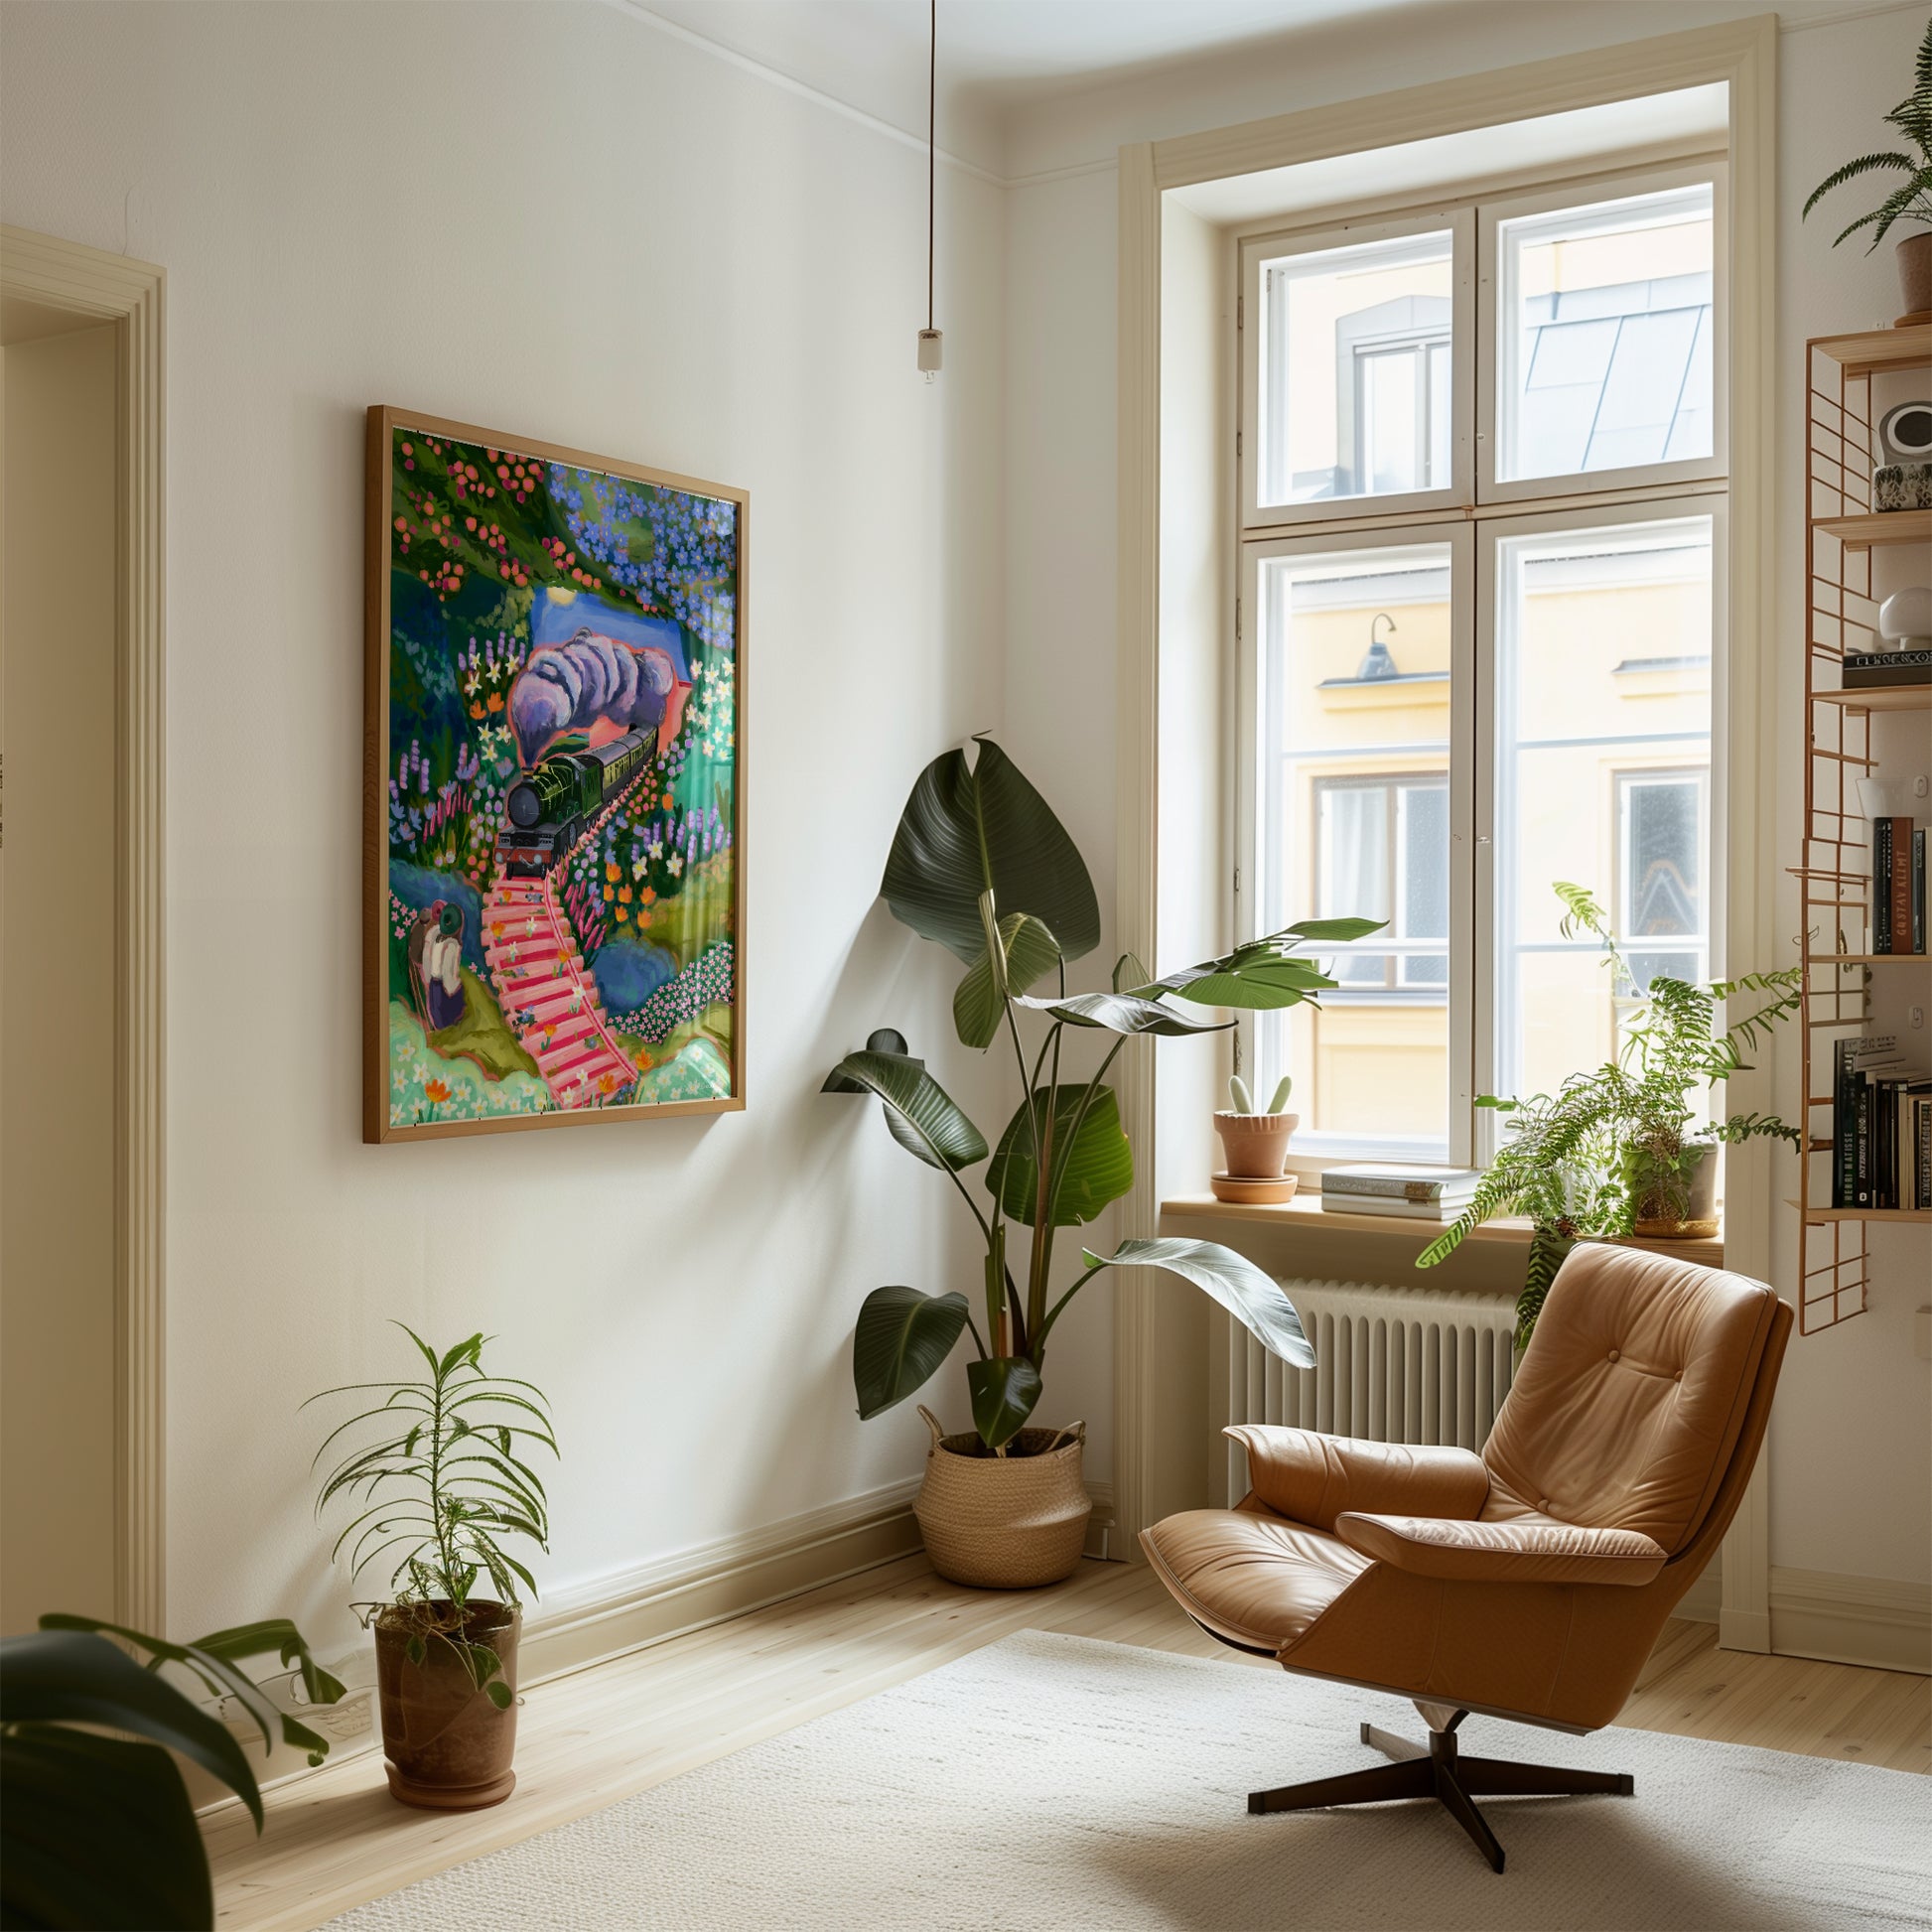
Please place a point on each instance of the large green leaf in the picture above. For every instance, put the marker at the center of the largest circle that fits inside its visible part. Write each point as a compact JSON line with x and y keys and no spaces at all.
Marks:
{"x":72,"y":1677}
{"x":1253,"y":1297}
{"x":1003,"y":1389}
{"x":1098,"y":1167}
{"x":923,"y":1116}
{"x":1028,"y":951}
{"x":967,"y":830}
{"x":98,"y":1833}
{"x":902,"y":1337}
{"x":1265,"y":973}
{"x":1123,"y":1013}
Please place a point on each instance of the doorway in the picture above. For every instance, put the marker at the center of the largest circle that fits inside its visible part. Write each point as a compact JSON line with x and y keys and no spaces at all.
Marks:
{"x":80,"y":932}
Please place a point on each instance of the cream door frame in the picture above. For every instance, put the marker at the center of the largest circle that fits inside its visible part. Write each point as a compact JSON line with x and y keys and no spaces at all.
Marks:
{"x":90,"y":283}
{"x":1743,"y":55}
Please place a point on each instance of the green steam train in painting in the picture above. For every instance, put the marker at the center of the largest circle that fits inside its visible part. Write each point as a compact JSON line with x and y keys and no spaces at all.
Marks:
{"x":550,"y":807}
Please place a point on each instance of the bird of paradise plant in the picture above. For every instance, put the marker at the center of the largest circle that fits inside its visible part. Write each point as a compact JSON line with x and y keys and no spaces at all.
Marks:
{"x":980,"y":865}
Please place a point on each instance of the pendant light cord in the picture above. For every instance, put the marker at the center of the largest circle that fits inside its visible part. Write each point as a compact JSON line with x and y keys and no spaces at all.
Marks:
{"x":932,"y":149}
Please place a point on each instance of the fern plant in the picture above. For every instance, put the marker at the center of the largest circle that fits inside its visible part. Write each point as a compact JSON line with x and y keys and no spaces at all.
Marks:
{"x":443,"y":1486}
{"x":1619,"y":1143}
{"x":1911,"y":199}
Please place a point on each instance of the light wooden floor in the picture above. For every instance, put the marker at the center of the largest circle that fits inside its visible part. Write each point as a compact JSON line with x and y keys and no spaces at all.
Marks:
{"x":335,"y":1839}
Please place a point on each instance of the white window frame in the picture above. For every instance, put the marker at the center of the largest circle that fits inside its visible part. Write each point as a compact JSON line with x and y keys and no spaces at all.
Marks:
{"x":1454,"y":534}
{"x":1483,"y":512}
{"x":1279,"y":243}
{"x":1491,"y":533}
{"x":1495,"y":375}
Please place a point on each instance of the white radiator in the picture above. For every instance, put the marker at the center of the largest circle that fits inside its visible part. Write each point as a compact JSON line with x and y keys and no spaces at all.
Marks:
{"x":1393,"y":1364}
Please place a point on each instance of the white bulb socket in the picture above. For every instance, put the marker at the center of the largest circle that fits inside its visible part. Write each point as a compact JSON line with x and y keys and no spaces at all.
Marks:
{"x":931,"y":341}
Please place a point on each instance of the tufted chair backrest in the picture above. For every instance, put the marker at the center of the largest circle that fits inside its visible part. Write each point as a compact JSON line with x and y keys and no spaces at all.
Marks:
{"x":1629,"y":1400}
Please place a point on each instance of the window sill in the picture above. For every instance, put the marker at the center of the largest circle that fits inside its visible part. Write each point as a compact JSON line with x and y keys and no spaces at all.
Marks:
{"x":1307,"y":1216}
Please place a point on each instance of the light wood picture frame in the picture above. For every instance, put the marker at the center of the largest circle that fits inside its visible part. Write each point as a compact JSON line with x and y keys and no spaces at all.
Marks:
{"x":553,"y":786}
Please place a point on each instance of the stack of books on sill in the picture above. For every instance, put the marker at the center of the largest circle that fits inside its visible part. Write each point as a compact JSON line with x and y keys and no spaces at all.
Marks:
{"x":1418,"y":1193}
{"x":1897,"y":885}
{"x":1881,"y":1126}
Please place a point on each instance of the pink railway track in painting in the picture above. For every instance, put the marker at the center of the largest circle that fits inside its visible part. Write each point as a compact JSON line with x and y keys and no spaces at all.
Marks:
{"x":549,"y":996}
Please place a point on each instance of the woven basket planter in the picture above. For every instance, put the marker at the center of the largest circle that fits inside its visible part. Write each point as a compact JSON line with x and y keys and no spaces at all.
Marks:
{"x":1005,"y":1522}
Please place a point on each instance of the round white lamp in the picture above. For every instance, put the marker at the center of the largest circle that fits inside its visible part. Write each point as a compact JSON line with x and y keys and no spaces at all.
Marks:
{"x":1905,"y":620}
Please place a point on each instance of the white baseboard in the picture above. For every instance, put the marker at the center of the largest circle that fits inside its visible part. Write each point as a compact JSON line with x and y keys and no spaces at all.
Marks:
{"x":628,"y":1609}
{"x":1877,"y":1622}
{"x":608,"y":1617}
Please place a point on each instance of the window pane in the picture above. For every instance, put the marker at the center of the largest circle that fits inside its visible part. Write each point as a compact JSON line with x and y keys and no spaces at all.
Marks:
{"x":1604,"y":335}
{"x":1353,"y":820}
{"x":1423,"y":906}
{"x":1350,"y":404}
{"x":1603,"y":759}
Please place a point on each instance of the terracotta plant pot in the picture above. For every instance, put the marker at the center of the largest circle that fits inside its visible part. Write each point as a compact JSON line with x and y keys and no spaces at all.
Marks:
{"x":1675,"y":1200}
{"x":1256,"y":1145}
{"x":449,"y":1748}
{"x":1005,"y":1522}
{"x":1915,"y":273}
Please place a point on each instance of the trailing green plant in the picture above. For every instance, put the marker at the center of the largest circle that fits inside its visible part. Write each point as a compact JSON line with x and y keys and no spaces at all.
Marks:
{"x":981,"y":864}
{"x":98,"y":1830}
{"x":1911,"y":199}
{"x":1620,"y":1143}
{"x":1244,"y":1100}
{"x":444,"y":1485}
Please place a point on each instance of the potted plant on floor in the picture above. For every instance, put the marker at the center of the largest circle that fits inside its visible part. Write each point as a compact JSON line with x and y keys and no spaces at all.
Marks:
{"x":444,"y":1484}
{"x":1622,"y":1149}
{"x":981,"y":864}
{"x":97,"y":1826}
{"x":1911,"y":199}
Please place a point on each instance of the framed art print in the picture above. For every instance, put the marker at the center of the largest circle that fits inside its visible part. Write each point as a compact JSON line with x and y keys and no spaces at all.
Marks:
{"x":553,"y":786}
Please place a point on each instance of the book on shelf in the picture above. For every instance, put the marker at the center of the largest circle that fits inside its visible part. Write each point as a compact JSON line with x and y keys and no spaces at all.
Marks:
{"x":1881,"y":1126}
{"x":1897,"y":885}
{"x":1874,"y":670}
{"x":1401,"y":1183}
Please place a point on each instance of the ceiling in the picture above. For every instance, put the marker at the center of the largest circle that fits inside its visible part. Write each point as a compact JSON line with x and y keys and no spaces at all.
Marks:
{"x":993,"y":54}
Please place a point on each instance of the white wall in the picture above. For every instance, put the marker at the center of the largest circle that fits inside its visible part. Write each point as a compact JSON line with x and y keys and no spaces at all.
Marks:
{"x":1851,"y":1433}
{"x":563,"y":223}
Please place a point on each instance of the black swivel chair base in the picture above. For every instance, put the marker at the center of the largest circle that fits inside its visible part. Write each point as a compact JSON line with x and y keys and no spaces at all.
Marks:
{"x":1435,"y":1770}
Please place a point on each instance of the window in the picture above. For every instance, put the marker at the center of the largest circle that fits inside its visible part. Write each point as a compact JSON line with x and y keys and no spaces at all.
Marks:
{"x":1601,"y":742}
{"x":1464,"y":680}
{"x":1362,"y":685}
{"x":1382,"y":848}
{"x":1354,"y":366}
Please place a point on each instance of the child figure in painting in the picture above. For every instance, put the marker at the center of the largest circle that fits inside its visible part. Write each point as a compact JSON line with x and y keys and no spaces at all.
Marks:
{"x":436,"y":963}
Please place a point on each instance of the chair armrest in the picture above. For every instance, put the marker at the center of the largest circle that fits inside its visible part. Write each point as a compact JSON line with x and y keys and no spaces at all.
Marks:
{"x":1312,"y":1478}
{"x":1504,"y":1553}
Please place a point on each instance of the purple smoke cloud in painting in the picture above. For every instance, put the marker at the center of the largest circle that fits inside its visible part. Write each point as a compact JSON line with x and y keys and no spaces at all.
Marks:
{"x":593,"y":682}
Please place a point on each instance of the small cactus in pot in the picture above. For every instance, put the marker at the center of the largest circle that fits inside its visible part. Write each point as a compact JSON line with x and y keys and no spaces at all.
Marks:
{"x":1256,"y":1144}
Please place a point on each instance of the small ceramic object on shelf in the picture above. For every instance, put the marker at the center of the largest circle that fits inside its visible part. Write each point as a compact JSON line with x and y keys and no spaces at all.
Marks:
{"x":1243,"y":1190}
{"x":1905,"y":620}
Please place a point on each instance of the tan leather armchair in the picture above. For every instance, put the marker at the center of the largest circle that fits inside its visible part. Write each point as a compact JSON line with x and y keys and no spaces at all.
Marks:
{"x":1529,"y":1582}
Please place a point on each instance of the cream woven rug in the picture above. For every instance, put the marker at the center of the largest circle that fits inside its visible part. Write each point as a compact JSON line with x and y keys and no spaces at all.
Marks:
{"x":1054,"y":1782}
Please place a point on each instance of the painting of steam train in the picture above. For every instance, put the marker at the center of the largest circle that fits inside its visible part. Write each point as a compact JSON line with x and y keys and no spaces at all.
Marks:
{"x":554,"y":890}
{"x":550,"y":807}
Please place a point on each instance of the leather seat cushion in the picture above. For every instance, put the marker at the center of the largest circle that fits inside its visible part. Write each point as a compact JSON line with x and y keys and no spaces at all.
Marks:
{"x":1249,"y":1576}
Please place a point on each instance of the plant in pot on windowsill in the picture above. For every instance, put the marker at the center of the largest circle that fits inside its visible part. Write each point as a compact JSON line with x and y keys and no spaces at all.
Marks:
{"x":1911,"y":199}
{"x":1620,"y":1151}
{"x":981,"y":864}
{"x":443,"y":1484}
{"x":1255,"y":1145}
